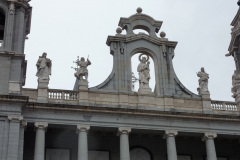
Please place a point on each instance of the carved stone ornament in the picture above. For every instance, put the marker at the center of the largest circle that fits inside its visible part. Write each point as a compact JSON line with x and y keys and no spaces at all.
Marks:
{"x":144,"y":74}
{"x":41,"y":125}
{"x":15,"y":118}
{"x":83,"y":128}
{"x":123,"y":130}
{"x":170,"y":133}
{"x":209,"y":135}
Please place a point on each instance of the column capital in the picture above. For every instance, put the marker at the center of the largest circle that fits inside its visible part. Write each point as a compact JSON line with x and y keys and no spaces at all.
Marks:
{"x":123,"y":130}
{"x":41,"y":125}
{"x":15,"y":118}
{"x":84,"y":128}
{"x":170,"y":133}
{"x":209,"y":135}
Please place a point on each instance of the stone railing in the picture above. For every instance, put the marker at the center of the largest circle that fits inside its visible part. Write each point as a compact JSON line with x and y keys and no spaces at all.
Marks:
{"x":224,"y":106}
{"x":62,"y":94}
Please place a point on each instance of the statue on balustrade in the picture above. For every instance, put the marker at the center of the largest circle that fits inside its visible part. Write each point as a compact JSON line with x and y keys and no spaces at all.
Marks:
{"x":236,"y":85}
{"x":203,"y":81}
{"x":144,"y":74}
{"x":44,"y":67}
{"x":82,"y":71}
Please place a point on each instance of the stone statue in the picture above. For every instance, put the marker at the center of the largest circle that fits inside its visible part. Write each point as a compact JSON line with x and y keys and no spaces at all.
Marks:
{"x":144,"y":74}
{"x":203,"y":81}
{"x":236,"y":84}
{"x":44,"y":67}
{"x":82,"y":71}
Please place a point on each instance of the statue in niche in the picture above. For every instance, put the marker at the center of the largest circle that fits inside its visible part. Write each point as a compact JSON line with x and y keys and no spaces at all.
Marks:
{"x":203,"y":81}
{"x":144,"y":74}
{"x":235,"y":84}
{"x":82,"y":71}
{"x":44,"y":67}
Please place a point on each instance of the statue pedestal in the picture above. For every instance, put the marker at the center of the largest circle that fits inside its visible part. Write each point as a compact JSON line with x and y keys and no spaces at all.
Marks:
{"x":206,"y":101}
{"x":83,"y":85}
{"x":237,"y":100}
{"x":42,"y":90}
{"x":204,"y":94}
{"x":144,"y":90}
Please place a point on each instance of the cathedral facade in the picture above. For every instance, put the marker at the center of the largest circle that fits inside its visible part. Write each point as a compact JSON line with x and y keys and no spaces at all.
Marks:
{"x":112,"y":121}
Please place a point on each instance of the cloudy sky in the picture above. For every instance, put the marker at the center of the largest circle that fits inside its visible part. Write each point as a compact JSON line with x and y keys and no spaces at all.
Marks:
{"x":67,"y":29}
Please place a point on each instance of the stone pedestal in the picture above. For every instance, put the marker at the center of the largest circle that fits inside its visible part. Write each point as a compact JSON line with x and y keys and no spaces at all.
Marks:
{"x":39,"y":151}
{"x":210,"y":146}
{"x":82,"y":84}
{"x":124,"y":143}
{"x":42,"y":90}
{"x":144,"y":90}
{"x":237,"y":100}
{"x":14,"y":87}
{"x":204,"y":94}
{"x":82,"y":131}
{"x":171,"y":145}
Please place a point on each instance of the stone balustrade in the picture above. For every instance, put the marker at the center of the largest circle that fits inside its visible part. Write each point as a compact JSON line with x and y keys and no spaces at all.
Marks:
{"x":131,"y":100}
{"x":224,"y":105}
{"x":62,"y":94}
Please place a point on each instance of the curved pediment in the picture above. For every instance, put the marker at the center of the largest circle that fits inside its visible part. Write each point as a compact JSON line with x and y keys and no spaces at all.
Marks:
{"x":140,"y":21}
{"x":143,"y":17}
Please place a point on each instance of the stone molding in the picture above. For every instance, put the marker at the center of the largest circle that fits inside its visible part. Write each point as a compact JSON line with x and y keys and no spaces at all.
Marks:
{"x":82,"y":128}
{"x":15,"y":118}
{"x":209,"y":135}
{"x":123,"y":130}
{"x":41,"y":125}
{"x":170,"y":133}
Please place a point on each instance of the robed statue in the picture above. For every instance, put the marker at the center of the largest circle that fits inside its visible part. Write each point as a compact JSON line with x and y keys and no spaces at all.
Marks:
{"x":203,"y":81}
{"x":144,"y":74}
{"x":44,"y":67}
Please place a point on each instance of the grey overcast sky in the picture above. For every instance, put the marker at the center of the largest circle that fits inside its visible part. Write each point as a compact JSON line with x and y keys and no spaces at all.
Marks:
{"x":67,"y":29}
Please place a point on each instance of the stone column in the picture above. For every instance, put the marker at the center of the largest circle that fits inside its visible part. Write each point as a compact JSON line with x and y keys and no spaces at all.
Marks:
{"x":39,"y":152}
{"x":82,"y":131}
{"x":124,"y":143}
{"x":21,"y":139}
{"x":210,"y":147}
{"x":171,"y":145}
{"x":14,"y":132}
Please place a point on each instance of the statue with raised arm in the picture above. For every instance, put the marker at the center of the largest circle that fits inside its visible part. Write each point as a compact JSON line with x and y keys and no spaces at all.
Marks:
{"x":82,"y":71}
{"x":144,"y":74}
{"x":44,"y":67}
{"x":203,"y":81}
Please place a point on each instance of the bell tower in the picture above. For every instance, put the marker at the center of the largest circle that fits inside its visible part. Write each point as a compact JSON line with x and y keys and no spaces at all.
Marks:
{"x":15,"y":22}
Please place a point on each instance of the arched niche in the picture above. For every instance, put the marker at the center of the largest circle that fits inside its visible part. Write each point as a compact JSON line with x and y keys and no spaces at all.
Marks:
{"x":154,"y":58}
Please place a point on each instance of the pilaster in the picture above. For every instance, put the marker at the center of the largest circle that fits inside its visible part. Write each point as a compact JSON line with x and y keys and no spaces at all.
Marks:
{"x":14,"y":137}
